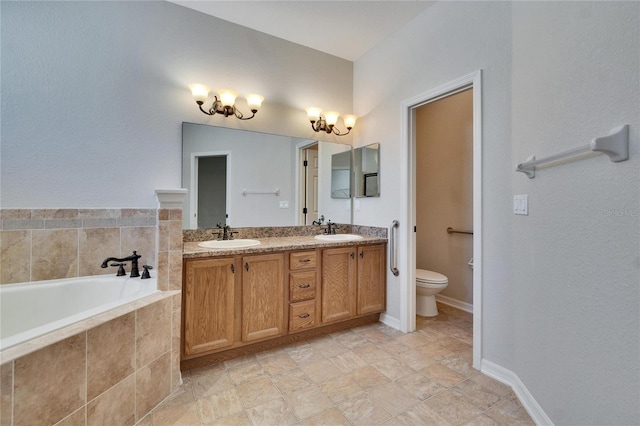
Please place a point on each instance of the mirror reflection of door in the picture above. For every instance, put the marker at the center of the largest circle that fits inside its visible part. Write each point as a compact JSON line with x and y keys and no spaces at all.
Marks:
{"x":212,"y":191}
{"x":310,"y":184}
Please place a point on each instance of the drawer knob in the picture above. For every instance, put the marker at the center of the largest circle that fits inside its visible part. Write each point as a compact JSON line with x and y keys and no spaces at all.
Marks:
{"x":305,"y":260}
{"x":304,"y":285}
{"x":303,"y":316}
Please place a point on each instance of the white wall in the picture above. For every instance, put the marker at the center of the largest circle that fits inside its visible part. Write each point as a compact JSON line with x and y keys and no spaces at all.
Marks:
{"x":94,"y":94}
{"x":561,"y":287}
{"x":576,"y":257}
{"x":449,"y":40}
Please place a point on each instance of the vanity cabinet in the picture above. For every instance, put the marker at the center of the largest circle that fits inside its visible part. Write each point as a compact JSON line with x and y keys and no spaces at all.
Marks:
{"x":209,"y":305}
{"x":262,"y":296}
{"x":353,"y":287}
{"x":240,"y":304}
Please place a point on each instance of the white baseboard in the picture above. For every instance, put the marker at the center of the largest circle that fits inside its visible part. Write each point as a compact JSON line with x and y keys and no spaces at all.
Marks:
{"x":463,"y":306}
{"x":390,"y":321}
{"x":527,"y":400}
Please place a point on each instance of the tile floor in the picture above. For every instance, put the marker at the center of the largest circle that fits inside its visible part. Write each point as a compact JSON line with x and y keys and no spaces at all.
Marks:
{"x":370,"y":375}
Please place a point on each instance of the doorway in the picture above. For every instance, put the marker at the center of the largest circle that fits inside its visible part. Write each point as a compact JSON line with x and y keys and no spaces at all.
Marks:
{"x":407,"y":253}
{"x":308,"y":211}
{"x":209,"y":194}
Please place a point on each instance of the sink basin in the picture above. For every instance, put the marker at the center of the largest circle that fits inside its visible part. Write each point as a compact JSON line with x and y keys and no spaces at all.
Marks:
{"x":227,"y":244}
{"x":338,"y":237}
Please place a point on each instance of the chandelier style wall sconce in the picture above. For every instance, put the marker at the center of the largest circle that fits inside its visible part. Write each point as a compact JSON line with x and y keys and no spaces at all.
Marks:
{"x":224,"y":101}
{"x":326,"y":123}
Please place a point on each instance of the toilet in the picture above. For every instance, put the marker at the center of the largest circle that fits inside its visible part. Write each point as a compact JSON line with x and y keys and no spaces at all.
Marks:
{"x":428,"y":283}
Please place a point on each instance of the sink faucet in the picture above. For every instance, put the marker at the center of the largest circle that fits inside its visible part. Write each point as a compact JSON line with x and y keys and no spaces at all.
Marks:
{"x":134,"y":263}
{"x":319,"y":221}
{"x":331,"y":228}
{"x":227,"y":233}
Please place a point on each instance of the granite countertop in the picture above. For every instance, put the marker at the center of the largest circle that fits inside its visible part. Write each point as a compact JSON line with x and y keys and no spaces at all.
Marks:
{"x":271,"y":244}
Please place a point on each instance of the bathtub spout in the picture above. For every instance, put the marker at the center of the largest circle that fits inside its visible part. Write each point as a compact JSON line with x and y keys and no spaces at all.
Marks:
{"x":134,"y":263}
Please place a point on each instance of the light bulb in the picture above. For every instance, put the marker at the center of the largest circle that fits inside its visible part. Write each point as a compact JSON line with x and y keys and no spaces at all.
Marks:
{"x":227,"y":97}
{"x":313,"y":113}
{"x":349,"y":120}
{"x":200,"y":92}
{"x":331,"y":117}
{"x":254,"y":102}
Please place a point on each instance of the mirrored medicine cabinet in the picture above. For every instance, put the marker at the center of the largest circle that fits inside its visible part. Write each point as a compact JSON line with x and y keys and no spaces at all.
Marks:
{"x":367,"y":170}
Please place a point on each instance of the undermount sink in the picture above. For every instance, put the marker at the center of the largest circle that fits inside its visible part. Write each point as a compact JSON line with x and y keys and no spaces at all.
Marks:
{"x":222,"y":244}
{"x":338,"y":237}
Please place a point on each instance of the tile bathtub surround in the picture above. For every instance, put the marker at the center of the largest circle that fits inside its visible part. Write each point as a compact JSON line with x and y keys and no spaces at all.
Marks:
{"x":370,"y":375}
{"x":45,"y":244}
{"x":93,"y":375}
{"x":195,"y":235}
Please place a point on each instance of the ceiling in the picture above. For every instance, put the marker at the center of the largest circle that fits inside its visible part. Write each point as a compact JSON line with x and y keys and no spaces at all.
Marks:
{"x":346,"y":29}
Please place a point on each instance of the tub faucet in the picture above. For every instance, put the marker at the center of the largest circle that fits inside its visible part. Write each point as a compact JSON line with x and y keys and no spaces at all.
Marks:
{"x":134,"y":263}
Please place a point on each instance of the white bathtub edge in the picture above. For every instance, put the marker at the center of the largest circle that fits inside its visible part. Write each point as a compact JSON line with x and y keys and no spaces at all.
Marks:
{"x":20,"y":350}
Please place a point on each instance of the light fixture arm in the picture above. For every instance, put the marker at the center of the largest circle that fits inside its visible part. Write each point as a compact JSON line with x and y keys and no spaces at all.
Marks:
{"x":218,"y":108}
{"x":322,"y":126}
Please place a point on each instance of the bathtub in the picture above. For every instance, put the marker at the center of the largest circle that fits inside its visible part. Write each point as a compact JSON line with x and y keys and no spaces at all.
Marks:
{"x":29,"y":310}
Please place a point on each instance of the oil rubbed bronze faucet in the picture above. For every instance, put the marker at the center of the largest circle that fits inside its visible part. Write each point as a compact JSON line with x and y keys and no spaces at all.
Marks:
{"x":227,"y":233}
{"x":134,"y":263}
{"x":331,"y":228}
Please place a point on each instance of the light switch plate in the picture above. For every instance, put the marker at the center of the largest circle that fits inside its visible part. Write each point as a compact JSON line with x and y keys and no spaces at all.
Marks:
{"x":521,"y":204}
{"x":284,"y":204}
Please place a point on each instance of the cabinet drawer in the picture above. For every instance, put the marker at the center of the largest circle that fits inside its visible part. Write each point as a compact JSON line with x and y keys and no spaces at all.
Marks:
{"x":302,"y":286}
{"x":302,"y":260}
{"x":302,"y":315}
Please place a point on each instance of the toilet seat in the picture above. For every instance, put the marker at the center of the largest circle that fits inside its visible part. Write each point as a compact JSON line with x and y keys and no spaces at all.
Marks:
{"x":426,"y":277}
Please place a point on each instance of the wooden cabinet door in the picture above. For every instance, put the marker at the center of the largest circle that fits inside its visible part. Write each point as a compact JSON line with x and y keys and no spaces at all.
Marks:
{"x":209,"y":300}
{"x":262,"y":296}
{"x":371,"y":279}
{"x":338,"y":284}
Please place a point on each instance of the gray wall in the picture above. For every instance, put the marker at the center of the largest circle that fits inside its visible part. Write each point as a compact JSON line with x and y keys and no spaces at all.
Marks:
{"x":561,"y":287}
{"x":94,"y":95}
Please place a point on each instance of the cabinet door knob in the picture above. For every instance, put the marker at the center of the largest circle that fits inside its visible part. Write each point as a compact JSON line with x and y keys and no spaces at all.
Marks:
{"x":246,"y":266}
{"x":303,"y":316}
{"x":353,"y":255}
{"x":233,"y":269}
{"x":304,"y":285}
{"x":362,"y":254}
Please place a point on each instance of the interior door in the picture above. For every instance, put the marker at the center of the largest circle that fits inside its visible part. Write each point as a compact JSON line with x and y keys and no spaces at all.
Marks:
{"x":312,"y":184}
{"x":212,"y":191}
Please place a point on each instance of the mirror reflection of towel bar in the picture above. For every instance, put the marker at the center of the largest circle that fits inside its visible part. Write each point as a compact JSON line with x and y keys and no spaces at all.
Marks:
{"x":275,"y":192}
{"x":450,"y":230}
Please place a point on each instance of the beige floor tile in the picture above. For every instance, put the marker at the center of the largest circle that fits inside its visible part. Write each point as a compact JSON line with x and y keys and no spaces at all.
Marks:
{"x":368,"y":377}
{"x":219,"y":405}
{"x":422,"y":414}
{"x":236,"y":362}
{"x":460,"y":363}
{"x":321,"y":371}
{"x":482,"y":420}
{"x":453,"y":409}
{"x":475,"y":394}
{"x":415,"y":359}
{"x":363,"y":411}
{"x":239,"y":419}
{"x":413,"y":340}
{"x":308,"y":402}
{"x":208,"y":384}
{"x":275,"y":412}
{"x":332,"y":417}
{"x":246,"y":373}
{"x":277,"y":364}
{"x":306,"y":354}
{"x":347,"y":362}
{"x":372,"y":353}
{"x":393,"y":368}
{"x":509,"y":411}
{"x":393,"y":398}
{"x":257,"y":392}
{"x":352,"y":340}
{"x":291,"y":381}
{"x":328,"y":346}
{"x":419,"y":386}
{"x":442,"y":375}
{"x":341,"y":388}
{"x":179,"y":409}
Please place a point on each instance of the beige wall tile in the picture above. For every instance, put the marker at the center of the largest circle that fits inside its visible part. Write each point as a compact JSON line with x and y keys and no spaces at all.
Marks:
{"x":15,"y":214}
{"x":15,"y":256}
{"x":153,"y":331}
{"x":175,"y":235}
{"x":96,"y":245}
{"x":75,"y":419}
{"x":175,"y":270}
{"x":115,"y":406}
{"x":175,"y":349}
{"x":163,"y":236}
{"x":6,"y":393}
{"x":163,"y":270}
{"x":140,"y":239}
{"x":163,"y":214}
{"x":153,"y":384}
{"x":105,"y":365}
{"x":175,"y":214}
{"x":54,"y":214}
{"x":99,"y":213}
{"x":54,"y":254}
{"x":50,"y":384}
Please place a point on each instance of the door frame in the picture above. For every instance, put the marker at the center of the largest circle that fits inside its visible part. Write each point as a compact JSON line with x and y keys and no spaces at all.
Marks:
{"x":299,"y":178}
{"x":407,"y":256}
{"x":193,"y":181}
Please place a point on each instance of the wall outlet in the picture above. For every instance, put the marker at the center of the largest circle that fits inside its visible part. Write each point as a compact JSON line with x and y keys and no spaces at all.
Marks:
{"x":284,"y":204}
{"x":521,"y":204}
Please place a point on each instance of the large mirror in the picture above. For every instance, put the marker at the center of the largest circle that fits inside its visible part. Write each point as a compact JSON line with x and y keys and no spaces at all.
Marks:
{"x":341,"y":175}
{"x":367,"y":170}
{"x":244,"y":179}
